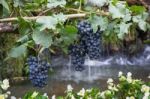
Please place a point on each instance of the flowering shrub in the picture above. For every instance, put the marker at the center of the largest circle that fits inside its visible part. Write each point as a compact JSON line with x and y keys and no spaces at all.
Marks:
{"x":127,"y":88}
{"x":4,"y":85}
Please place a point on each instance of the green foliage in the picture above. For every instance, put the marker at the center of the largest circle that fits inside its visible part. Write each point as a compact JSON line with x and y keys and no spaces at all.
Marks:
{"x":17,"y":51}
{"x":137,"y":9}
{"x":99,"y":21}
{"x":4,"y":4}
{"x":54,"y":3}
{"x":68,"y":35}
{"x":42,"y":38}
{"x":53,"y":28}
{"x":34,"y":95}
{"x":127,"y":88}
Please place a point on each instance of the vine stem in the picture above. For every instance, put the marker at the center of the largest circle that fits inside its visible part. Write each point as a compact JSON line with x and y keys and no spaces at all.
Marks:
{"x":35,"y":17}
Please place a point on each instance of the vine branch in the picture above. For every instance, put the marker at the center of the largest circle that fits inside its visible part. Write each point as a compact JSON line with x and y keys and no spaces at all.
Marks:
{"x":35,"y":17}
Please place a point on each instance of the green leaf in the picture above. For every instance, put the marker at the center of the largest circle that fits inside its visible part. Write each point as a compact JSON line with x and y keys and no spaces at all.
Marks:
{"x":119,"y":10}
{"x":143,"y":25}
{"x":32,"y":6}
{"x":136,"y":18}
{"x":24,"y":26}
{"x":127,"y":17}
{"x":99,"y":21}
{"x":124,"y":28}
{"x":98,"y":3}
{"x":71,"y":29}
{"x":114,"y":2}
{"x":60,"y":17}
{"x":17,"y":3}
{"x":115,"y":12}
{"x":4,"y":4}
{"x":42,"y":38}
{"x":69,"y":34}
{"x":137,"y":9}
{"x":17,"y":51}
{"x":23,"y":39}
{"x":50,"y":22}
{"x":54,"y":3}
{"x":141,"y":20}
{"x":47,"y":22}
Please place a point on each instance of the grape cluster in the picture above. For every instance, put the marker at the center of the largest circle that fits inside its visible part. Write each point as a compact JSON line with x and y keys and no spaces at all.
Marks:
{"x":38,"y":71}
{"x":89,"y":45}
{"x":77,"y":56}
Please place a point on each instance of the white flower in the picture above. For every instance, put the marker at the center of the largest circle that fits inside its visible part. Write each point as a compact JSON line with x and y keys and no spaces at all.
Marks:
{"x":8,"y":92}
{"x":88,"y":90}
{"x":108,"y":92}
{"x":69,"y":88}
{"x":120,"y":73}
{"x":34,"y":94}
{"x":122,"y":78}
{"x":53,"y":97}
{"x":5,"y":84}
{"x":149,"y":76}
{"x":6,"y":96}
{"x":45,"y":94}
{"x":82,"y":92}
{"x":110,"y":87}
{"x":129,"y":79}
{"x":13,"y":97}
{"x":129,"y":74}
{"x":102,"y":95}
{"x":89,"y":98}
{"x":130,"y":97}
{"x":146,"y":95}
{"x":145,"y":88}
{"x":110,"y":80}
{"x":72,"y":97}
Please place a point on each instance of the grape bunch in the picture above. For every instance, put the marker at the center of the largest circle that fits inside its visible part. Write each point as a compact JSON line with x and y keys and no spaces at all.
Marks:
{"x":77,"y":56}
{"x":38,"y":71}
{"x":89,"y":44}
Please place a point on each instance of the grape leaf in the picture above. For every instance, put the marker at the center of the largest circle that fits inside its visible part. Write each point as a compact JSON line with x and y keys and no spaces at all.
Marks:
{"x":50,"y":22}
{"x":137,"y":9}
{"x":127,"y":17}
{"x":142,"y":25}
{"x":119,"y":10}
{"x":98,"y":3}
{"x":60,"y":17}
{"x":124,"y":28}
{"x":42,"y":38}
{"x":141,"y":20}
{"x":99,"y":21}
{"x":4,"y":4}
{"x":54,"y":3}
{"x":70,"y":29}
{"x":115,"y":12}
{"x":17,"y":51}
{"x":47,"y":22}
{"x":69,"y":34}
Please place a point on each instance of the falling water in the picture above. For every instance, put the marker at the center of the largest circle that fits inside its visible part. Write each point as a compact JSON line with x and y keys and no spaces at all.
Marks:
{"x":69,"y":67}
{"x":96,"y":69}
